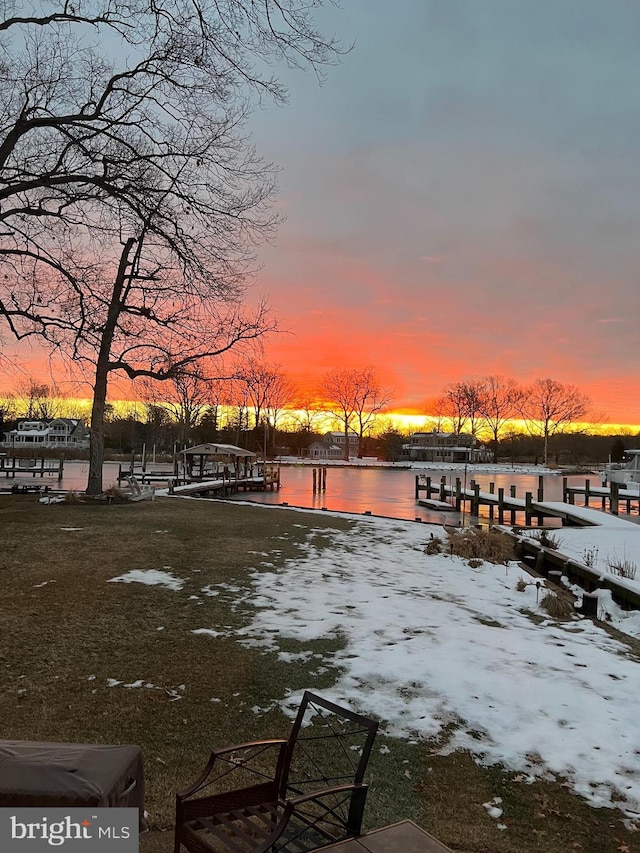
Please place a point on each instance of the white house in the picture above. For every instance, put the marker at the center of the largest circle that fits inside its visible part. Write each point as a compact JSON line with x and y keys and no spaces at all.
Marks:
{"x":56,"y":433}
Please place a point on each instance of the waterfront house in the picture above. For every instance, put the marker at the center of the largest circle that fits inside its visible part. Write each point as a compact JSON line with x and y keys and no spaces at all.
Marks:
{"x":331,"y":446}
{"x":56,"y":433}
{"x":445,"y":447}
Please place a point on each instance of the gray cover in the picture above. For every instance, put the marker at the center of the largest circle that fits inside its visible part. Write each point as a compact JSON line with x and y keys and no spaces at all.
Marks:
{"x":71,"y":774}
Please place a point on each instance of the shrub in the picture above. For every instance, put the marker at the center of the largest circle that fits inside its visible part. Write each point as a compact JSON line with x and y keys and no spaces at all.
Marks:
{"x":489,"y":545}
{"x":546,"y":539}
{"x":475,"y":563}
{"x":433,"y":546}
{"x":521,"y":585}
{"x":557,"y":606}
{"x":622,"y":568}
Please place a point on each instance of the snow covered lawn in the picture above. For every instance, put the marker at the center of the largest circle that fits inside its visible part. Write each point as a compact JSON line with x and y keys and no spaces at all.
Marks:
{"x":430,"y":641}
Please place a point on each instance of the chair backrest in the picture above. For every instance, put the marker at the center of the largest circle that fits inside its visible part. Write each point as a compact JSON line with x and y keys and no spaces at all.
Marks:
{"x":329,"y":745}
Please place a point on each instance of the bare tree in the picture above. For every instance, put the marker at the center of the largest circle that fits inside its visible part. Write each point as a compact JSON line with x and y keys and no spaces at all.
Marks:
{"x":184,"y":397}
{"x":370,"y":399}
{"x":39,"y":400}
{"x":130,"y":199}
{"x":453,"y":406}
{"x":549,"y":407}
{"x":267,"y":387}
{"x":354,"y":398}
{"x":460,"y":403}
{"x":499,"y":403}
{"x":306,"y":413}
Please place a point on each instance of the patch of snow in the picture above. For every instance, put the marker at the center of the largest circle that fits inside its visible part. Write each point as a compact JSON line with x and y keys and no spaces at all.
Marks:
{"x":150,"y":577}
{"x":209,"y":632}
{"x":424,"y":642}
{"x":493,"y":807}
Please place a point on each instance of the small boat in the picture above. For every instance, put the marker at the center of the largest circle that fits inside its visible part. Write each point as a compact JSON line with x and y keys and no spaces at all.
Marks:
{"x":627,"y":472}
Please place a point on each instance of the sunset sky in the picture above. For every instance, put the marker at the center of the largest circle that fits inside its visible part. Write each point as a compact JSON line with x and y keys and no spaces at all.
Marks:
{"x":463,"y":197}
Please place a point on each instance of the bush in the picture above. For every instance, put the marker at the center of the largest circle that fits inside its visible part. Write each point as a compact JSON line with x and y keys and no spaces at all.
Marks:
{"x":433,"y":546}
{"x":622,"y":568}
{"x":557,"y":606}
{"x":546,"y":539}
{"x":488,"y":545}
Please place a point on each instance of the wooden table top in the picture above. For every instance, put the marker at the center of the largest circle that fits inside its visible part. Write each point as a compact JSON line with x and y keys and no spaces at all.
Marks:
{"x":403,"y":837}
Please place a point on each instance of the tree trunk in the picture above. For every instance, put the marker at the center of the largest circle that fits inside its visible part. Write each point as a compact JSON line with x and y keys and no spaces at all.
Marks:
{"x":546,"y":446}
{"x":345,"y":455}
{"x":96,"y":446}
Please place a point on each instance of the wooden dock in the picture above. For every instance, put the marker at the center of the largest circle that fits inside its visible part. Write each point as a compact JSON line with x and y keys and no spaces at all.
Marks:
{"x":225,"y":486}
{"x":10,"y":468}
{"x":503,"y":506}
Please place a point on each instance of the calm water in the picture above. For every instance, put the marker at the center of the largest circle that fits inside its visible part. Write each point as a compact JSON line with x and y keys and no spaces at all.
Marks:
{"x":382,"y":491}
{"x":391,"y":492}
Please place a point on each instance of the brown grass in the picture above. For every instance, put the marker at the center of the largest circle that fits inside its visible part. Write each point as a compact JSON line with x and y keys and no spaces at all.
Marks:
{"x":557,"y":606}
{"x":61,"y":623}
{"x":489,"y":545}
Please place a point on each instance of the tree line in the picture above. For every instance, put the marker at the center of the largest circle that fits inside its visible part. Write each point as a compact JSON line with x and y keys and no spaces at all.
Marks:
{"x":259,"y":407}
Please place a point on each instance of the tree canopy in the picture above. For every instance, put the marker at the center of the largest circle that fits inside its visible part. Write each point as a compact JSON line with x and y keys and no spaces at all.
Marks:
{"x":131,"y":198}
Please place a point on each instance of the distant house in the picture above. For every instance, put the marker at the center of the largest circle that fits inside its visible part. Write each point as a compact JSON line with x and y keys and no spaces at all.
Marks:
{"x":331,"y":446}
{"x":445,"y":447}
{"x":56,"y":433}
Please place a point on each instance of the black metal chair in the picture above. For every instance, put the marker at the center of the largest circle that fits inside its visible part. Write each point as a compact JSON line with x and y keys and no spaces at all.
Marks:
{"x":287,"y":796}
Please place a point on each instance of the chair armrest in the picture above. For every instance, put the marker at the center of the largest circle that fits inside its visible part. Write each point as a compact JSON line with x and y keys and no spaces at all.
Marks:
{"x":201,"y":781}
{"x":271,"y":742}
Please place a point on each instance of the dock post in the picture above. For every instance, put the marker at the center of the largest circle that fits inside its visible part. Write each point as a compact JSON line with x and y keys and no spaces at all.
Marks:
{"x":417,"y":493}
{"x":324,"y":479}
{"x":500,"y":505}
{"x":512,"y":491}
{"x":443,"y":488}
{"x":475,"y":501}
{"x":492,"y":491}
{"x":587,"y":492}
{"x":428,"y":487}
{"x":564,"y":490}
{"x":527,"y":508}
{"x":613,"y":498}
{"x":540,"y":488}
{"x":41,"y":467}
{"x":315,"y":480}
{"x":458,"y":494}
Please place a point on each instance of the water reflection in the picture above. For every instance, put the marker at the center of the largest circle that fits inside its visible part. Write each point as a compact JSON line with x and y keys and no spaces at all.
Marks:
{"x":391,"y":492}
{"x":387,"y":492}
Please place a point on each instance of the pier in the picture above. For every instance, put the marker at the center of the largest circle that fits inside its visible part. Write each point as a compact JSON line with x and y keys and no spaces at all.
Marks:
{"x":10,"y":468}
{"x":504,"y":507}
{"x":225,"y":485}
